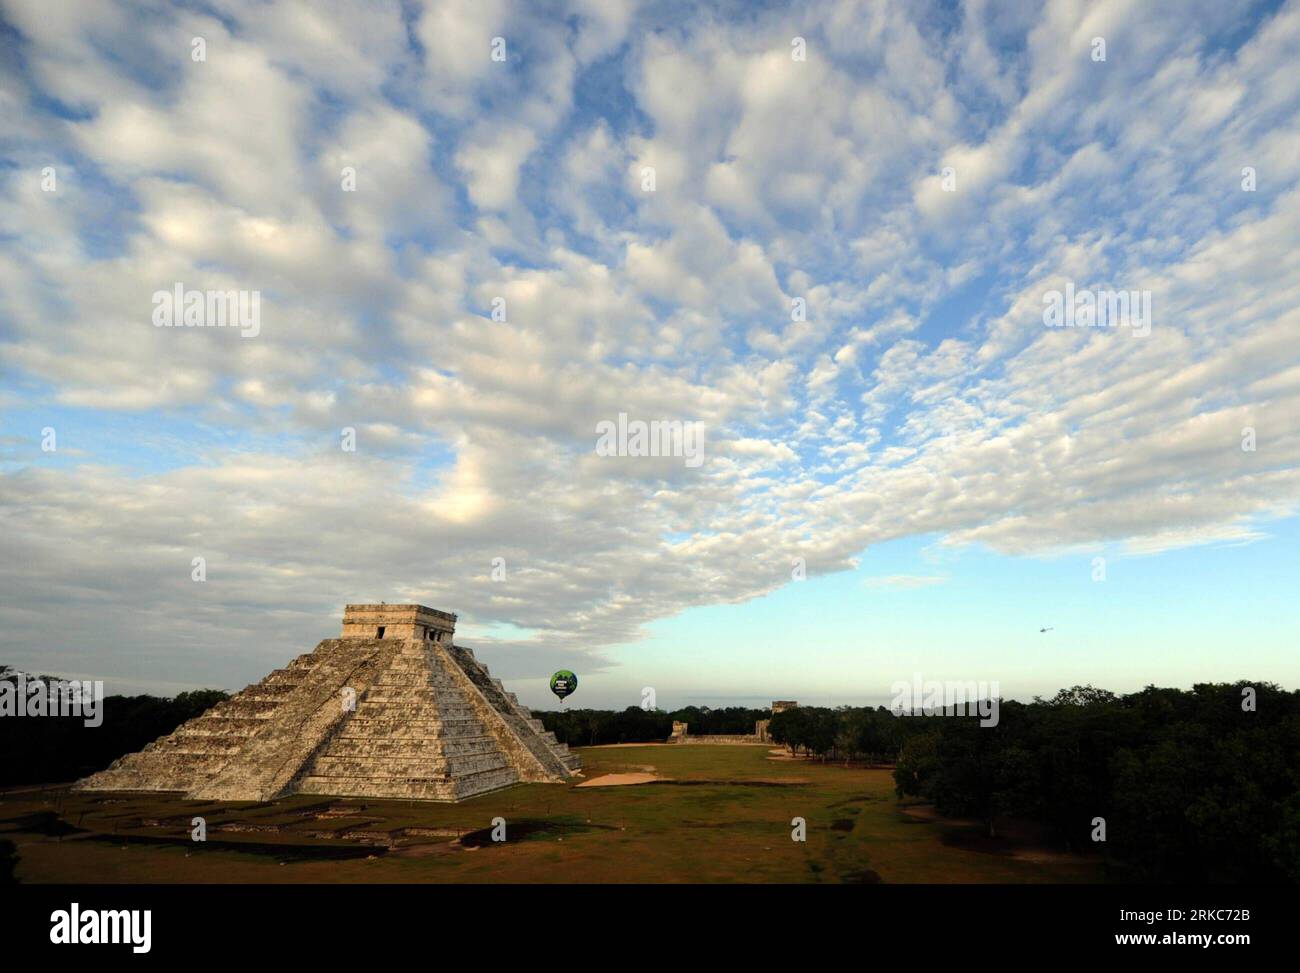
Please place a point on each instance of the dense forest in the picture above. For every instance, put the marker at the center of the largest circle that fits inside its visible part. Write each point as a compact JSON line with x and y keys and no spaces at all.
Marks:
{"x":1191,"y":786}
{"x":592,"y":727}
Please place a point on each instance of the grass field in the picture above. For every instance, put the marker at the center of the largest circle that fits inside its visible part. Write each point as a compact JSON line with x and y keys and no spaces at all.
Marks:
{"x":723,"y":817}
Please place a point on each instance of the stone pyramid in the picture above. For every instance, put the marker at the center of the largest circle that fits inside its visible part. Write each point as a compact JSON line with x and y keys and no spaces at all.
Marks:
{"x":391,"y":709}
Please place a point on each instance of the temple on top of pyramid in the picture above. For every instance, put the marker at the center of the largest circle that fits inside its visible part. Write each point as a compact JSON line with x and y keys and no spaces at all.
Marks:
{"x":397,"y":622}
{"x":392,"y":709}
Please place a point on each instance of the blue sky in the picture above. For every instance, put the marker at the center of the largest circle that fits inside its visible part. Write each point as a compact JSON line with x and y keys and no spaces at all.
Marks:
{"x":844,"y":638}
{"x":943,"y":465}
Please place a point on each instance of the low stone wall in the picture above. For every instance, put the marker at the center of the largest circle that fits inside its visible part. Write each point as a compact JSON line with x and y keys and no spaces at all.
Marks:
{"x":720,"y":738}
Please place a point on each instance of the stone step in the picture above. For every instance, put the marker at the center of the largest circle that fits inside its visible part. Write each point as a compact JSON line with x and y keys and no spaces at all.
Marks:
{"x":370,"y":767}
{"x":225,"y":725}
{"x":274,"y":693}
{"x":415,"y":673}
{"x":205,"y":743}
{"x":419,"y":790}
{"x":475,"y":784}
{"x":412,"y":693}
{"x":244,"y":707}
{"x":396,"y":725}
{"x":428,"y":713}
{"x":347,"y":745}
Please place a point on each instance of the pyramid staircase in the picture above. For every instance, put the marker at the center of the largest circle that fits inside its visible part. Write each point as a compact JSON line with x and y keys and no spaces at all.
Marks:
{"x":550,"y":752}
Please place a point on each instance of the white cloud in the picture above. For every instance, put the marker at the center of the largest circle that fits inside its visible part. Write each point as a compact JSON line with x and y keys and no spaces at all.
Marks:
{"x":491,"y":164}
{"x":921,"y":394}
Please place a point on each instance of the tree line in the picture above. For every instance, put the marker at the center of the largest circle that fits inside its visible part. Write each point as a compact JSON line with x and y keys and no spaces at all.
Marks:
{"x":1167,"y":784}
{"x":1199,"y":785}
{"x":594,"y":727}
{"x":845,"y":733}
{"x":55,"y":749}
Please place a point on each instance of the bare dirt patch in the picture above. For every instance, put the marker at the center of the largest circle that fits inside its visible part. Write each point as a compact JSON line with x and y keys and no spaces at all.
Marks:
{"x":740,"y":782}
{"x":620,"y":780}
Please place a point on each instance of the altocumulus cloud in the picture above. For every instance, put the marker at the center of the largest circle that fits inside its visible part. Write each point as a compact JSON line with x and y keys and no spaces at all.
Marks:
{"x":916,"y":391}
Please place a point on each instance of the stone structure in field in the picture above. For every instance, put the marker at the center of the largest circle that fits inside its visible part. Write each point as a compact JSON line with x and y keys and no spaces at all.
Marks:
{"x":761,"y":727}
{"x":393,"y":709}
{"x":681,"y":731}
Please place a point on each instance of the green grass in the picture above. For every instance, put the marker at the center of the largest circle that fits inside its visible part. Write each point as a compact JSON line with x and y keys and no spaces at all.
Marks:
{"x":725,"y":817}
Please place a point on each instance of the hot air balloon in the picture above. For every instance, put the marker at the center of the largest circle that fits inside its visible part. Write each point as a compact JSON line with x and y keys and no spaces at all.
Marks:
{"x":563,"y":683}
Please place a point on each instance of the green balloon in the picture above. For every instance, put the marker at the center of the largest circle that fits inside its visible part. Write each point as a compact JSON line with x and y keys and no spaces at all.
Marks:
{"x":563,"y":683}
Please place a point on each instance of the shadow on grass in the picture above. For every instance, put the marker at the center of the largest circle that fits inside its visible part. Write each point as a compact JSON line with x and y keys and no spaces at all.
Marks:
{"x":280,"y":851}
{"x":45,"y":823}
{"x":530,"y":829}
{"x":863,"y":877}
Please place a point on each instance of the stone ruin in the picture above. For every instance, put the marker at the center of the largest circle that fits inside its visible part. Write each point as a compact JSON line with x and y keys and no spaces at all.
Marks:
{"x":761,"y":728}
{"x":393,"y":709}
{"x":681,"y":731}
